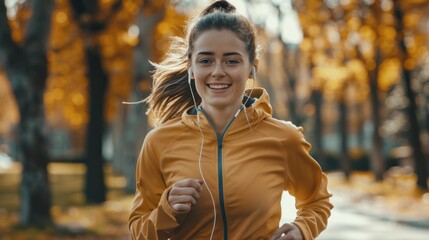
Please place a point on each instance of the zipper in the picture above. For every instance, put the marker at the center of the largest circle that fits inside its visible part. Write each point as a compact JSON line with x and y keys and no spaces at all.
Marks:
{"x":220,"y":184}
{"x":220,"y":168}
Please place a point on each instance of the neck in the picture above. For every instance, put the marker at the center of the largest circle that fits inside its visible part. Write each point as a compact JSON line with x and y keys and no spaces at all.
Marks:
{"x":221,"y":116}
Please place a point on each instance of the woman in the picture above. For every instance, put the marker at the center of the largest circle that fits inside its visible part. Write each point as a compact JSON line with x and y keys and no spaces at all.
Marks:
{"x":217,"y":162}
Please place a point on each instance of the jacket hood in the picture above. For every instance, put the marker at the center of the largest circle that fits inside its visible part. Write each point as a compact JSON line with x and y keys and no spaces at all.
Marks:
{"x":257,"y":108}
{"x":262,"y":100}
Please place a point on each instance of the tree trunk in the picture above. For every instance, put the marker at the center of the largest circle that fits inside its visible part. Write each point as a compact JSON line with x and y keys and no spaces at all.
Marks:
{"x":420,"y":160}
{"x":27,"y":68}
{"x":377,"y":162}
{"x":426,"y":105}
{"x":427,"y":111}
{"x":95,"y":188}
{"x":86,"y":14}
{"x":361,"y":123}
{"x":345,"y":159}
{"x":317,"y":99}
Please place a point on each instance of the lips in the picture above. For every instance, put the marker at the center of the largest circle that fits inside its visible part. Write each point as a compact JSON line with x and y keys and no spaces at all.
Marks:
{"x":218,"y":86}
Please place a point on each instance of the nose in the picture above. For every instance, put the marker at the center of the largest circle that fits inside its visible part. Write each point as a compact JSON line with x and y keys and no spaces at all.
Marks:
{"x":218,"y":70}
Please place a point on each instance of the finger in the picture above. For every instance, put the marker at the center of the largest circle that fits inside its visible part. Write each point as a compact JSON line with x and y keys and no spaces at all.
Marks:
{"x":294,"y":233}
{"x":196,"y":184}
{"x":283,"y":229}
{"x":181,"y":207}
{"x":188,"y":191}
{"x":189,"y":182}
{"x":186,"y":199}
{"x":289,"y":236}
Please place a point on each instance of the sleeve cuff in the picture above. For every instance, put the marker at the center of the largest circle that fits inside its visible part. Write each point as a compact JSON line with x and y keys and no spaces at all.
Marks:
{"x":165,"y":206}
{"x":304,"y":231}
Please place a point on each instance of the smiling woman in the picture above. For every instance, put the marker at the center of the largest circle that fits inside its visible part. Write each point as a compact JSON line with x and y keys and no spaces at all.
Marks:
{"x":221,"y":67}
{"x":217,"y":163}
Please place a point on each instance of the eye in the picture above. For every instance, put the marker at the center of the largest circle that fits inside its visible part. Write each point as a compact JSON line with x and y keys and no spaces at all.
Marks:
{"x":204,"y":60}
{"x":232,"y":61}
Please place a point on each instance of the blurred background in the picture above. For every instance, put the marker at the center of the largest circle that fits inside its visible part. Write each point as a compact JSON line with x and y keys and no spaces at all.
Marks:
{"x":353,"y":73}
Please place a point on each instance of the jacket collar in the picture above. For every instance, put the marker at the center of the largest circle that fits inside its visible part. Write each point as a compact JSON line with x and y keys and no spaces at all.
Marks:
{"x":257,"y":109}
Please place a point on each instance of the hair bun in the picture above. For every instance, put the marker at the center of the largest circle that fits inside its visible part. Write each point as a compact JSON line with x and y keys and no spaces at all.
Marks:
{"x":221,"y":6}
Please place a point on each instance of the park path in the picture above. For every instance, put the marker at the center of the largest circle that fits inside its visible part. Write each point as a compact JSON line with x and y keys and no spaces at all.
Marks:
{"x":357,"y":214}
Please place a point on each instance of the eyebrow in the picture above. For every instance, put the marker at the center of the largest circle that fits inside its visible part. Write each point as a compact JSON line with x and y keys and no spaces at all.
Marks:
{"x":225,"y":54}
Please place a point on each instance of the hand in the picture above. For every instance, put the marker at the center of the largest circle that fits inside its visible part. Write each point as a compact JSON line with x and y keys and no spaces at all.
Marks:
{"x":184,"y":194}
{"x":290,"y":231}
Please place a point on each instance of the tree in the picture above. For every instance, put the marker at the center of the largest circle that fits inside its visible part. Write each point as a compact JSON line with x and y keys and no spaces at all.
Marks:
{"x":91,"y":24}
{"x":27,"y":69}
{"x":376,"y":160}
{"x":421,"y":161}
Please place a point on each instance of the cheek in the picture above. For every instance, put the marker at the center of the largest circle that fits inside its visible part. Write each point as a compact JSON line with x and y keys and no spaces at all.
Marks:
{"x":201,"y":76}
{"x":242,"y":80}
{"x":199,"y":84}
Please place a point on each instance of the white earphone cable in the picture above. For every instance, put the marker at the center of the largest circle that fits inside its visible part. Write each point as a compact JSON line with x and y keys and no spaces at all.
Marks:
{"x":201,"y":155}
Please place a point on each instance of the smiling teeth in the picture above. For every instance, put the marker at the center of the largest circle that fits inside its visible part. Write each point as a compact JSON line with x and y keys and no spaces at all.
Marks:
{"x":218,"y":86}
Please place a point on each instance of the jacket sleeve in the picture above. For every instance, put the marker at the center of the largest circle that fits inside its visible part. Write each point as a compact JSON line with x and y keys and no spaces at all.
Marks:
{"x":151,"y":215}
{"x":308,"y":184}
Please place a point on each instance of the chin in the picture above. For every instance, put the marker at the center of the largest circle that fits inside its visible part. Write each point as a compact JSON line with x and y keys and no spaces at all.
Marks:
{"x":218,"y":104}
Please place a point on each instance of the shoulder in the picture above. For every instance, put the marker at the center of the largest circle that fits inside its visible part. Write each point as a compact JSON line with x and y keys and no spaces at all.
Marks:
{"x":284,"y":126}
{"x":165,"y":132}
{"x":291,"y":138}
{"x":285,"y":131}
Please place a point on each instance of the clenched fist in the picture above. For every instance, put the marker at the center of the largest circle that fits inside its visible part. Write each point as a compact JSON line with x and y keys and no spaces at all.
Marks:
{"x":184,"y":194}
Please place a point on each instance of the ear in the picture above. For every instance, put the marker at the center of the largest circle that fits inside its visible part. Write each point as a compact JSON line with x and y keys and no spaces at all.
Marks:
{"x":190,"y":75}
{"x":256,"y":64}
{"x":190,"y":72}
{"x":254,"y":68}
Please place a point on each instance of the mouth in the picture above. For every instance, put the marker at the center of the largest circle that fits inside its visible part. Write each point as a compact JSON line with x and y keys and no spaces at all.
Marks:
{"x":219,"y":86}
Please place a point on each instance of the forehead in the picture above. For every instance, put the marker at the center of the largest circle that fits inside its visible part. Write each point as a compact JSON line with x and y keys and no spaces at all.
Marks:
{"x":219,"y":41}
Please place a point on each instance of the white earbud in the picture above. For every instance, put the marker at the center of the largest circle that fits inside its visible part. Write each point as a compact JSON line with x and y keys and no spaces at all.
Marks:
{"x":254,"y":73}
{"x":189,"y":75}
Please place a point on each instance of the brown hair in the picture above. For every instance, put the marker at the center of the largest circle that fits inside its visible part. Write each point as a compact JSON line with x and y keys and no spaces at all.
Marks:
{"x":171,"y":95}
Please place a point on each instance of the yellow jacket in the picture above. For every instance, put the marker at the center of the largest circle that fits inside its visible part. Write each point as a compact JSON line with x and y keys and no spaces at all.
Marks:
{"x":246,"y":168}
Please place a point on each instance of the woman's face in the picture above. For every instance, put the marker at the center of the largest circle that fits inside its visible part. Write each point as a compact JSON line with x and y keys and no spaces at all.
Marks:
{"x":221,"y":67}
